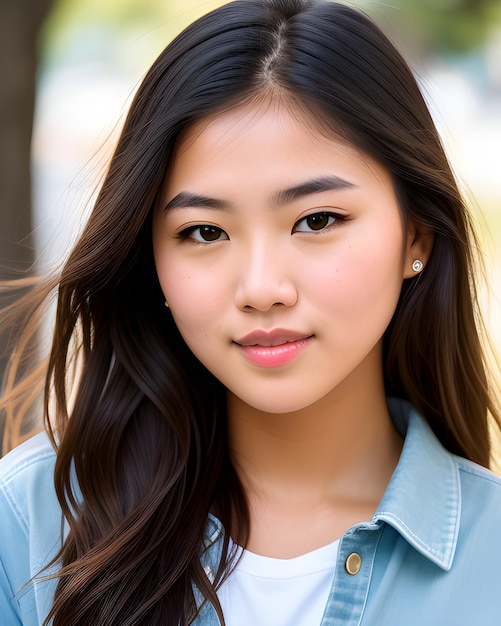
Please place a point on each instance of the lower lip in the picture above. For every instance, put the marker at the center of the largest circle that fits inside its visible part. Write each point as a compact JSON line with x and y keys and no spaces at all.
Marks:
{"x":275,"y":356}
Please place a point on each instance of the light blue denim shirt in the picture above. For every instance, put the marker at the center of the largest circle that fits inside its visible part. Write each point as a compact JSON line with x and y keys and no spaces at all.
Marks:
{"x":430,"y":556}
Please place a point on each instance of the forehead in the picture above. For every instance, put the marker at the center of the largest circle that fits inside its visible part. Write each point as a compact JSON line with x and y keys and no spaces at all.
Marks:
{"x":245,"y":134}
{"x":286,"y":113}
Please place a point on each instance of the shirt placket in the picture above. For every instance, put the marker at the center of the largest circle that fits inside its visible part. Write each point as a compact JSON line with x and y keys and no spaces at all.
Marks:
{"x":350,"y":587}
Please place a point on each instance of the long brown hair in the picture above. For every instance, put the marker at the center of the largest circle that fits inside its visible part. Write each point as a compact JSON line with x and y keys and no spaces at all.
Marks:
{"x":145,"y":436}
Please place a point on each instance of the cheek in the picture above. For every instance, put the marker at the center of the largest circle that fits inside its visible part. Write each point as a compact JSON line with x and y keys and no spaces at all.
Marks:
{"x":193,"y":296}
{"x":365,"y":276}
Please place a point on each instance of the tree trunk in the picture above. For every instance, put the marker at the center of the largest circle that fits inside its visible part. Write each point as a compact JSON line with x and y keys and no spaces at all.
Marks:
{"x":20,"y":24}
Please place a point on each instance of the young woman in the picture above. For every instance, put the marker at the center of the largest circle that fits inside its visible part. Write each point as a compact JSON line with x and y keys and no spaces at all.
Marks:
{"x":280,"y":412}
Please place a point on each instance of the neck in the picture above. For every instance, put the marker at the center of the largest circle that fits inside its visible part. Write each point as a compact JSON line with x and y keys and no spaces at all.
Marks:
{"x":336,"y":448}
{"x":337,"y":455}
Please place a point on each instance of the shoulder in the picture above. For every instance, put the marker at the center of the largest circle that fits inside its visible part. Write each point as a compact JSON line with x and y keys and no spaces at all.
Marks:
{"x":477,"y":472}
{"x":478,"y":548}
{"x":26,"y":475}
{"x":445,"y":506}
{"x":31,"y":520}
{"x":32,"y":452}
{"x":28,"y":502}
{"x":480,"y":488}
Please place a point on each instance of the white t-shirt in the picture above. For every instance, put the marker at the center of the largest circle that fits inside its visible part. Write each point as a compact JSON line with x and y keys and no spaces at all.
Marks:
{"x":262,"y":591}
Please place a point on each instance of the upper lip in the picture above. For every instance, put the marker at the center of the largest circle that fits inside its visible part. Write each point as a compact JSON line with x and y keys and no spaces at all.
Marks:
{"x":275,"y":337}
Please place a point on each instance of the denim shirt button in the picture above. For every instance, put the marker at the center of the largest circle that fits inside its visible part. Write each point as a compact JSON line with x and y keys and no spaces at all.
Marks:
{"x":353,"y":564}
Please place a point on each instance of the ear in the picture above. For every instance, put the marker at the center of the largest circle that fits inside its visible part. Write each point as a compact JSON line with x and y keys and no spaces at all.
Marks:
{"x":419,"y":245}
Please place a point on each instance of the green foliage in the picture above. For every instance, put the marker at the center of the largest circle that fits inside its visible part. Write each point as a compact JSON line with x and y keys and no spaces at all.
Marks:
{"x":440,"y":26}
{"x":425,"y":26}
{"x":115,"y":23}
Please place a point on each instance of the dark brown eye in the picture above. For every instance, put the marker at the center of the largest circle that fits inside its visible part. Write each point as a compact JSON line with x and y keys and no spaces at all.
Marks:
{"x":315,"y":222}
{"x":318,"y":221}
{"x":210,"y":233}
{"x":204,"y":233}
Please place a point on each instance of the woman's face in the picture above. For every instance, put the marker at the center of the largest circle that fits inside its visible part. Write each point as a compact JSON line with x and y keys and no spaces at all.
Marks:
{"x":281,"y":254}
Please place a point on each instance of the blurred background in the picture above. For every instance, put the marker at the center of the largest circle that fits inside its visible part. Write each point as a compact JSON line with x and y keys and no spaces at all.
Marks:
{"x":70,"y":67}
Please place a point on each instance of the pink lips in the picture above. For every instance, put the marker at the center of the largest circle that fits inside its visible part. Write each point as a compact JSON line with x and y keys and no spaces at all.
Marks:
{"x":275,"y":348}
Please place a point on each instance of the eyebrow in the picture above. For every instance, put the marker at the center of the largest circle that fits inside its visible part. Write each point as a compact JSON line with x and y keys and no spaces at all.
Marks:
{"x":186,"y":199}
{"x":316,"y":185}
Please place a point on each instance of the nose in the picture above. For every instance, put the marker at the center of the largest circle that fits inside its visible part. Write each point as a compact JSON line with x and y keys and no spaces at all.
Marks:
{"x":264,"y":279}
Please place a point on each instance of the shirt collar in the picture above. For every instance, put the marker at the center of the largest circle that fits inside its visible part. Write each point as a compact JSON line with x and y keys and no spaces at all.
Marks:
{"x":423,"y":499}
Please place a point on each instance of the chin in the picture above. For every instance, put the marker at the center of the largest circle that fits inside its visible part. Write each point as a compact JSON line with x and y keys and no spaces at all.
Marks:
{"x":278,"y":406}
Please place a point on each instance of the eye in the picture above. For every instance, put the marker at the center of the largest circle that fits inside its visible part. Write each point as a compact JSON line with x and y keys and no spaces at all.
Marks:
{"x":204,"y":233}
{"x":315,"y":222}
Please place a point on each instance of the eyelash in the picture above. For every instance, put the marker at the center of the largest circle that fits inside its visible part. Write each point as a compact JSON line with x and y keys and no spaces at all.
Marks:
{"x":335,"y":217}
{"x":188,"y":233}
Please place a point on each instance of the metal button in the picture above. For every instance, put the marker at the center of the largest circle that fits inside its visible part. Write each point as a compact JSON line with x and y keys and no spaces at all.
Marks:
{"x":353,"y":564}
